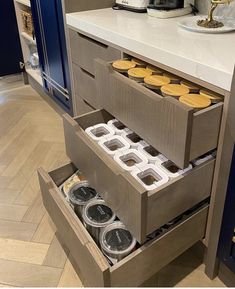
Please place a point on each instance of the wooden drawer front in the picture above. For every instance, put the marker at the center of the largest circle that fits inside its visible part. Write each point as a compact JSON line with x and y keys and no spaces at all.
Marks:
{"x":81,"y":106}
{"x":136,"y":268}
{"x":85,"y":50}
{"x":85,"y":85}
{"x":164,"y":122}
{"x":141,"y":211}
{"x":69,"y":227}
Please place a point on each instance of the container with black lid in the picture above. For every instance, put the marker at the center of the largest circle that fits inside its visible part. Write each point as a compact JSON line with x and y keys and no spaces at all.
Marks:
{"x":80,"y":194}
{"x":116,"y":242}
{"x":97,"y":215}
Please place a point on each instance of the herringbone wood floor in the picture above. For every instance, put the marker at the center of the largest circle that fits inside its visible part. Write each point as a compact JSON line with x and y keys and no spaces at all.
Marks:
{"x":31,"y":135}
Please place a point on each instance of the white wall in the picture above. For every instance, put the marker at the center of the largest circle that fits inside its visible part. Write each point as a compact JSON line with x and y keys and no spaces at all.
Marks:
{"x":222,"y":10}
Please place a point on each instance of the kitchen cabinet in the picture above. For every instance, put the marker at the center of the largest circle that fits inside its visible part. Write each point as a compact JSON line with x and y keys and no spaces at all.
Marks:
{"x":226,"y":250}
{"x":195,"y":199}
{"x":107,"y":95}
{"x":51,"y":43}
{"x":10,"y":51}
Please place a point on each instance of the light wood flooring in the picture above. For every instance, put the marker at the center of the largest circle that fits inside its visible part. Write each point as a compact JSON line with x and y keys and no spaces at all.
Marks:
{"x":31,"y":135}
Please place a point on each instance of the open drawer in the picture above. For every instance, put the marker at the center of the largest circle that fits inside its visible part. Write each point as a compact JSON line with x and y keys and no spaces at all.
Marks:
{"x":168,"y":125}
{"x":136,"y":268}
{"x":141,"y":211}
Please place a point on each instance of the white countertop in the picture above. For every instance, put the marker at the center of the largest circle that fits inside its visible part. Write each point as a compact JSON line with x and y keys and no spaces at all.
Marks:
{"x":209,"y":57}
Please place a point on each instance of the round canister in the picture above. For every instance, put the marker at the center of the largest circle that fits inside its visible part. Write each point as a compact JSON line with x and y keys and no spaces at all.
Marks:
{"x":193,"y":88}
{"x":123,"y":65}
{"x":155,"y":82}
{"x":214,"y":97}
{"x":80,"y":194}
{"x":138,"y":74}
{"x":155,"y":70}
{"x":116,"y":242}
{"x":138,"y":62}
{"x":174,"y":90}
{"x":195,"y":101}
{"x":97,"y":215}
{"x":174,"y":79}
{"x":69,"y":183}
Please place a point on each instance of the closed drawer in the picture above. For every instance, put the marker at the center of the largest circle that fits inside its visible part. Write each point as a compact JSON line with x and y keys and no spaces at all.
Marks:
{"x":81,"y":106}
{"x":168,"y":125}
{"x":85,"y":50}
{"x":136,"y":268}
{"x":85,"y":85}
{"x":140,"y":210}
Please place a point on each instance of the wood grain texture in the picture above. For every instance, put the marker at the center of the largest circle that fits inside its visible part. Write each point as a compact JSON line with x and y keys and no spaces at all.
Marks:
{"x":28,"y":275}
{"x":85,"y":85}
{"x":12,"y":212}
{"x":89,"y":50}
{"x":45,"y":231}
{"x":75,"y":236}
{"x":219,"y":188}
{"x":56,"y":255}
{"x":17,"y":230}
{"x":21,"y":251}
{"x":69,"y":277}
{"x":47,"y":124}
{"x":141,"y":211}
{"x":31,"y":135}
{"x":159,"y":253}
{"x":7,"y":196}
{"x":177,"y":132}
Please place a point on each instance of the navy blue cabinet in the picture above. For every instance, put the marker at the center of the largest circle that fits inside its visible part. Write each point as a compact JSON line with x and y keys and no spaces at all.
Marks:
{"x":226,"y":251}
{"x":50,"y":34}
{"x":10,"y":49}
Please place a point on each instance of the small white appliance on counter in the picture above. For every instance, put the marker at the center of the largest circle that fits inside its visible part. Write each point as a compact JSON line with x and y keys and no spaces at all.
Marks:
{"x":133,"y":5}
{"x":170,"y":8}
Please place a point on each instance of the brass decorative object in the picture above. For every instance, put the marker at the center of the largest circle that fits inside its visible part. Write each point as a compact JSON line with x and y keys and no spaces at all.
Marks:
{"x":210,"y":22}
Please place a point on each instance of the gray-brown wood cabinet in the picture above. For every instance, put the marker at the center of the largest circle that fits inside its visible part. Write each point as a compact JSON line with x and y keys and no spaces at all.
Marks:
{"x":178,"y":132}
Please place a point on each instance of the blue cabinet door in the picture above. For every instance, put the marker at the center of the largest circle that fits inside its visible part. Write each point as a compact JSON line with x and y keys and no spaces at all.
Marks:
{"x":50,"y":35}
{"x":10,"y":49}
{"x":226,"y":251}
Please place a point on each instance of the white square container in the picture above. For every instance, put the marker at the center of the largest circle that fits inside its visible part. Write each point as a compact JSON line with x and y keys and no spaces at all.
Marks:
{"x":100,"y":131}
{"x":171,"y":169}
{"x":151,"y":153}
{"x":204,"y":158}
{"x":150,"y":177}
{"x":114,"y":144}
{"x":117,"y":126}
{"x":130,"y":159}
{"x":132,"y":138}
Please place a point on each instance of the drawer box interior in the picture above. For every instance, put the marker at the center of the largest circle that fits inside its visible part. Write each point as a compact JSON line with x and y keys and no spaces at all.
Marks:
{"x":171,"y":127}
{"x":137,"y":267}
{"x":140,"y":210}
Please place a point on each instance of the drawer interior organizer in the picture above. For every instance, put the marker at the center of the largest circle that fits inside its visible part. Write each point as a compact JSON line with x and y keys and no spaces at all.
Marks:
{"x":173,"y":128}
{"x":140,"y":209}
{"x":176,"y":237}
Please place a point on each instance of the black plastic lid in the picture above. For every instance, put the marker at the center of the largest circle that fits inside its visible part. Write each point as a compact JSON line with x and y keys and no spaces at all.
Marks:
{"x":118,"y":239}
{"x":99,"y":213}
{"x":82,"y":194}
